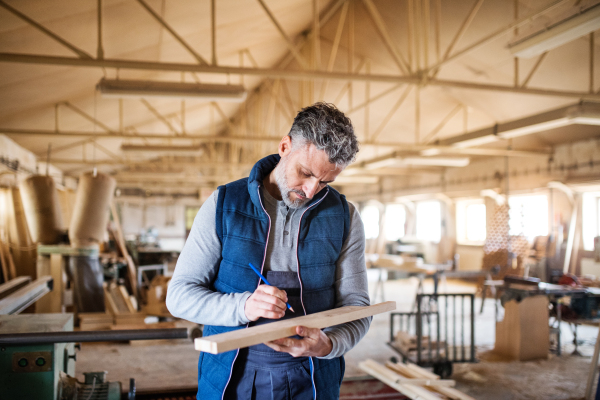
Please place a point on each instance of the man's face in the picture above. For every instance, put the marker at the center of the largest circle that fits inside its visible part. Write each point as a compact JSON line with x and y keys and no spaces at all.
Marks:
{"x":303,"y":173}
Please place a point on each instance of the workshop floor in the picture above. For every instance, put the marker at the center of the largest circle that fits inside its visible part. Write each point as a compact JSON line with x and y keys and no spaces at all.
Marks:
{"x":172,"y":364}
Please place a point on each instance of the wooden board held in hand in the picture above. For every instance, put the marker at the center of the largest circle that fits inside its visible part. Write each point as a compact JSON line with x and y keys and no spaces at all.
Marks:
{"x":279,"y":329}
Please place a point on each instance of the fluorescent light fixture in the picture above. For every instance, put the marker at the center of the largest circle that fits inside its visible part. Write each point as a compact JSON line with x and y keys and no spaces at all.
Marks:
{"x":586,"y":113}
{"x":562,"y":32}
{"x":477,"y":141}
{"x":586,"y":120}
{"x":119,"y":88}
{"x":388,"y":162}
{"x":542,"y":126}
{"x":349,"y":180}
{"x":431,"y":152}
{"x":437,"y":161}
{"x":162,"y":147}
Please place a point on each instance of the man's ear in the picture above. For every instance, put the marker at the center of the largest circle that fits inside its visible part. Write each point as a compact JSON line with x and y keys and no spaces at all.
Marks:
{"x":285,"y":146}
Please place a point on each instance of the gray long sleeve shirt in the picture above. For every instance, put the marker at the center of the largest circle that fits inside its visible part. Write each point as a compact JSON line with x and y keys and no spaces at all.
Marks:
{"x":190,"y":295}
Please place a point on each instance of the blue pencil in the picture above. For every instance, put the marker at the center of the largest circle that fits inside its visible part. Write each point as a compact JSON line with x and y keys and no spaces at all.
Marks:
{"x":267,"y":282}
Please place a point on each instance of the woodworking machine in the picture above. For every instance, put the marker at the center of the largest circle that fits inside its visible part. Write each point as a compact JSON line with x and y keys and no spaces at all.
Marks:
{"x":37,"y":358}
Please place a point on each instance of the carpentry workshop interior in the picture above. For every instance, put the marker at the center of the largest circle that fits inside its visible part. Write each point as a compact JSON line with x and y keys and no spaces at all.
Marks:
{"x":477,"y":182}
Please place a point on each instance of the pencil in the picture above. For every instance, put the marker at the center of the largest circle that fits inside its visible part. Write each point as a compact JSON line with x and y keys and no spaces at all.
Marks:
{"x":267,"y":282}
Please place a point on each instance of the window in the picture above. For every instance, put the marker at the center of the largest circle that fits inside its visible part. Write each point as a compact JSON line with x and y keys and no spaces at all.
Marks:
{"x":470,"y":221}
{"x":528,"y":216}
{"x":395,"y":219}
{"x":590,"y":212}
{"x":370,"y":218}
{"x":429,"y":220}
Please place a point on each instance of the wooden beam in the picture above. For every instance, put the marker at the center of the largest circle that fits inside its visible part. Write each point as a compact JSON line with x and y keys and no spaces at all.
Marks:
{"x":213,"y":29}
{"x":172,"y":32}
{"x":437,"y":129}
{"x":463,"y":28}
{"x":387,"y":39}
{"x":86,"y":116}
{"x":120,"y":239}
{"x":284,"y":35}
{"x":392,"y":379}
{"x":415,"y":371}
{"x":500,"y":32}
{"x":158,"y":115}
{"x":391,"y":113}
{"x":334,"y":48}
{"x":46,"y":31}
{"x":287,"y":74}
{"x":534,"y":69}
{"x":279,"y":329}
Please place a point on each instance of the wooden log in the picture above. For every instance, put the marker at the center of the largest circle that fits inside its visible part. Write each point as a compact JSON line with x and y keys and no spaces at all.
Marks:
{"x":276,"y":330}
{"x":392,"y":379}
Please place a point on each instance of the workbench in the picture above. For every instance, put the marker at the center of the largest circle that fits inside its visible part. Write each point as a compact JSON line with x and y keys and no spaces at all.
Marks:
{"x":555,"y":293}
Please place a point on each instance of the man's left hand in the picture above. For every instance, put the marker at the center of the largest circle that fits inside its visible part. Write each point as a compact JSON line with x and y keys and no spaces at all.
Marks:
{"x":314,"y":343}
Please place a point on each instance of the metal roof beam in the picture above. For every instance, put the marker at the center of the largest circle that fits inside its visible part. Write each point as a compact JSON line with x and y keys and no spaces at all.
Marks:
{"x":286,"y":74}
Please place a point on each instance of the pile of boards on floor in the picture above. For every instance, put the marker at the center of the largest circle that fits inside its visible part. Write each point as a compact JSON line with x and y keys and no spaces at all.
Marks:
{"x":122,"y":312}
{"x":413,"y":381}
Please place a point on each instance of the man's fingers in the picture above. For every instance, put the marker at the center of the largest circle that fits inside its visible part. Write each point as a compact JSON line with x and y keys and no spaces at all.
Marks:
{"x":269,"y":302}
{"x":273,"y":291}
{"x":312,"y":333}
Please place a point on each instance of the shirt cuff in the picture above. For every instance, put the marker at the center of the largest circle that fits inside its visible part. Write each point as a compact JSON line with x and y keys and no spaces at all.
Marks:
{"x":335,"y":348}
{"x":241,"y":308}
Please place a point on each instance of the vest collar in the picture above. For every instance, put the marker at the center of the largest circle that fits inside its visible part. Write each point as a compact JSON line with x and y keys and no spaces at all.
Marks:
{"x":260,"y":171}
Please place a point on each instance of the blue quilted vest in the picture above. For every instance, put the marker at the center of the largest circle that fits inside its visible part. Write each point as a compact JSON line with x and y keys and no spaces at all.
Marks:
{"x":243,"y":228}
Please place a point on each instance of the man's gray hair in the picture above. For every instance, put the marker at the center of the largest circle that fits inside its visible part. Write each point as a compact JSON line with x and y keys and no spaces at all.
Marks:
{"x":323,"y":125}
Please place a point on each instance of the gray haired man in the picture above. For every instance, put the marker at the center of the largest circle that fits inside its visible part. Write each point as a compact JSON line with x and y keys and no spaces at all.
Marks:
{"x":308,"y":241}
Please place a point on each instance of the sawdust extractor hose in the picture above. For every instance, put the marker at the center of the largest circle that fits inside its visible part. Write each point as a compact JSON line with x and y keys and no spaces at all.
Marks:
{"x":90,"y":212}
{"x":42,"y":209}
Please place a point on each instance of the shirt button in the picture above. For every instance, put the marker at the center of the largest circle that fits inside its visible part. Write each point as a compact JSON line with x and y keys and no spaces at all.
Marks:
{"x":286,"y":233}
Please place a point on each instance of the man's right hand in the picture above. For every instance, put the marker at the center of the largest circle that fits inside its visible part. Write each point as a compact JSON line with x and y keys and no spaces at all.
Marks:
{"x":266,"y":302}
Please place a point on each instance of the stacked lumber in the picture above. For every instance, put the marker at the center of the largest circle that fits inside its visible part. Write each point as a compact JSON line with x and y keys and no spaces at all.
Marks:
{"x":95,"y":321}
{"x":121,"y":305}
{"x":407,"y":342}
{"x":413,"y":381}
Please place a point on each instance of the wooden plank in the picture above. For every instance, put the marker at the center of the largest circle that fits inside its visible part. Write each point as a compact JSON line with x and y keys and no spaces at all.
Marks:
{"x":123,"y":247}
{"x":13,"y":285}
{"x":4,"y":263}
{"x":53,"y":266}
{"x":11,"y":262}
{"x":392,"y":379}
{"x":593,"y":371}
{"x":276,"y":330}
{"x":415,"y":371}
{"x":110,"y":303}
{"x":126,"y":299}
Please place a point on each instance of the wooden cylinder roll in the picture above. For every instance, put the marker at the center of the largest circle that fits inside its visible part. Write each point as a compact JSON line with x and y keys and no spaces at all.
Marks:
{"x":42,"y":209}
{"x":90,"y":211}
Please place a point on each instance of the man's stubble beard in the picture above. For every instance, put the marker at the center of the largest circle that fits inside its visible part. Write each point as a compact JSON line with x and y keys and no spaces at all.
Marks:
{"x":282,"y":185}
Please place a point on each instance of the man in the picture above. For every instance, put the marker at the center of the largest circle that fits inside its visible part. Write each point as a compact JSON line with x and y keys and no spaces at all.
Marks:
{"x":306,"y":239}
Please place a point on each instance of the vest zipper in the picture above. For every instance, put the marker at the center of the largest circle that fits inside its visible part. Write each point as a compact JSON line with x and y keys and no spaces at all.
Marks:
{"x":312,"y":365}
{"x":257,"y":285}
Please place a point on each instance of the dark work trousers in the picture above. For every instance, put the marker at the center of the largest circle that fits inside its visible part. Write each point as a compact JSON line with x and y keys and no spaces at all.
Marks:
{"x":261,"y":373}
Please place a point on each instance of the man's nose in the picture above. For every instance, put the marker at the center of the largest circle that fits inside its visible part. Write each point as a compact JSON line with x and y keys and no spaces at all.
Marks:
{"x":310,"y":188}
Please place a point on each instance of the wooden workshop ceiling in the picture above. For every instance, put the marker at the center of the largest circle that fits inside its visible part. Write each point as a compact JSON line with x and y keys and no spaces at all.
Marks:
{"x":399,"y":40}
